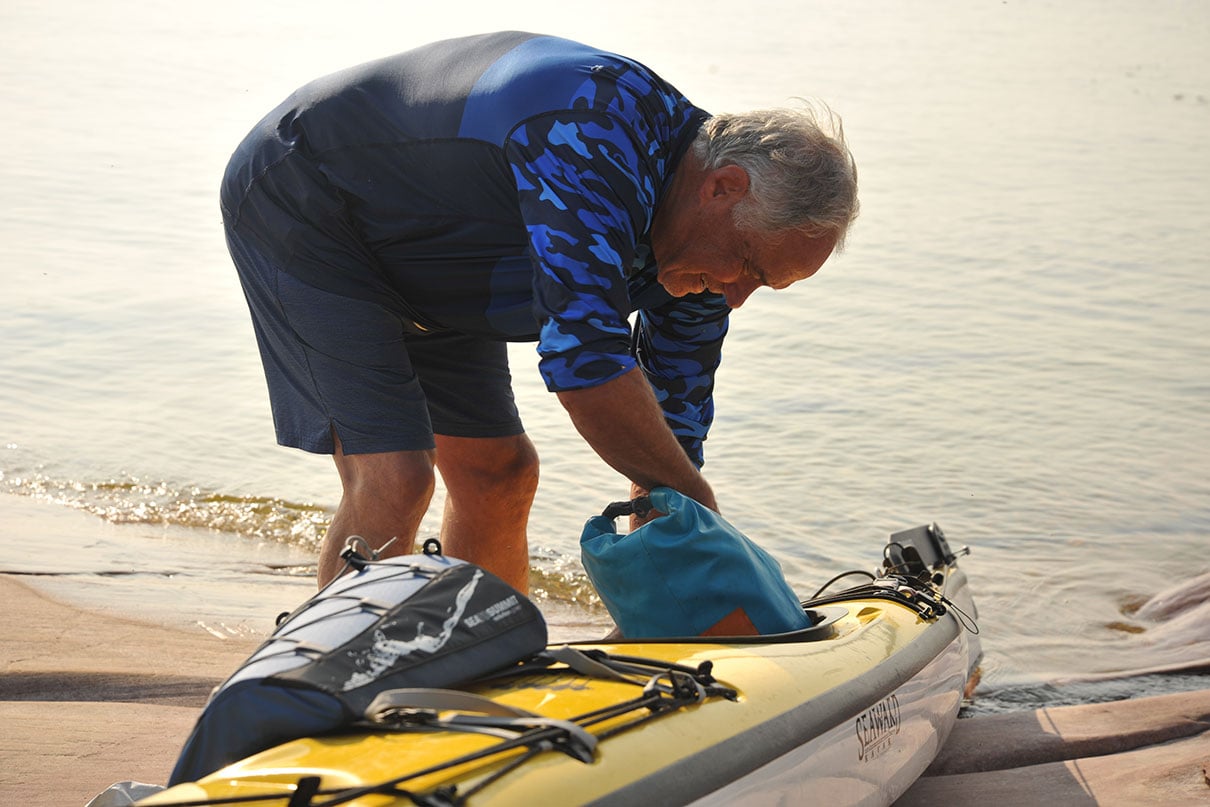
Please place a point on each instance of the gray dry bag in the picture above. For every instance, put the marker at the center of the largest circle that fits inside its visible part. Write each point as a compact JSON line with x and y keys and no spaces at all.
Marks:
{"x":415,"y":621}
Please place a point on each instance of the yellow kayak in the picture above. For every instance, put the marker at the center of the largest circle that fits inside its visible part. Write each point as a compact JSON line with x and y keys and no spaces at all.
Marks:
{"x":849,"y":711}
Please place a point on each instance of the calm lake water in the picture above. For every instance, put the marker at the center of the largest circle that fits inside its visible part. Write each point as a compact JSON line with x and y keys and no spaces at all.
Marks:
{"x":1015,"y":343}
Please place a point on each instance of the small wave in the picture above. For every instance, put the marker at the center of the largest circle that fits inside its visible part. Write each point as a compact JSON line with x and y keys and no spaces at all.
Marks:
{"x":554,"y":576}
{"x":136,"y":501}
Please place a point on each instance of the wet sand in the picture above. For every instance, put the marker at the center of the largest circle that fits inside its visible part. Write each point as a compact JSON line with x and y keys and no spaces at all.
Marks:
{"x":1133,"y":753}
{"x":88,"y":699}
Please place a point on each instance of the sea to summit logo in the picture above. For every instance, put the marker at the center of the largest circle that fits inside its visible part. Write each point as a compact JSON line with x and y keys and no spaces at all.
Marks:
{"x":876,"y":728}
{"x":495,"y":612}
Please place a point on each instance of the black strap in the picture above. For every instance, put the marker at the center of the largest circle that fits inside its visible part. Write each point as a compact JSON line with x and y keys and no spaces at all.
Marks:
{"x":638,"y":507}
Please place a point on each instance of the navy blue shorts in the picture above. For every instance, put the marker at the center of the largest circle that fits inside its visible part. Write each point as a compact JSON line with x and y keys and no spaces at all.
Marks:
{"x":357,"y":366}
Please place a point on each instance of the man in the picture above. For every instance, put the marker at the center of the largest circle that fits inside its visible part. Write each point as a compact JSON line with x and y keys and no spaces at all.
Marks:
{"x":395,"y":224}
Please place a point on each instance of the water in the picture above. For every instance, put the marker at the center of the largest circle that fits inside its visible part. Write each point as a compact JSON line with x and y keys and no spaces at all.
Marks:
{"x":1014,"y":344}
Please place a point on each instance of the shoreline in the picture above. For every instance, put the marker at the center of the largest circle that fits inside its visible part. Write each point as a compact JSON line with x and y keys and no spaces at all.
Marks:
{"x":187,"y":578}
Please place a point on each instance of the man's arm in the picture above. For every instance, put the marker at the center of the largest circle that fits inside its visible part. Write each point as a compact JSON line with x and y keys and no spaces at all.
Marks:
{"x":622,"y":422}
{"x":678,"y":345}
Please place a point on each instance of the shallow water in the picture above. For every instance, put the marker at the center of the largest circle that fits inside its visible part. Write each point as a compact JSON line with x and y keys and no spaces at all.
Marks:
{"x":1014,"y":344}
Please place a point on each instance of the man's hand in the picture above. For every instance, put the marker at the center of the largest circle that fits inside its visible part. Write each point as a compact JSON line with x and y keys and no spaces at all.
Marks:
{"x":636,"y":520}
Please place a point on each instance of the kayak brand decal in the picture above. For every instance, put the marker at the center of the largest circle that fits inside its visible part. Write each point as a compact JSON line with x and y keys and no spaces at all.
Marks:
{"x":877,"y":727}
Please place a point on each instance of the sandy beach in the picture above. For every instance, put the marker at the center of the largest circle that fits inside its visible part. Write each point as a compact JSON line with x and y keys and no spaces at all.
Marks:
{"x":88,"y":699}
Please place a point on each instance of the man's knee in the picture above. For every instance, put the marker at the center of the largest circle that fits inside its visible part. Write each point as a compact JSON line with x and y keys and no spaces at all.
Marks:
{"x":397,"y":479}
{"x":502,"y":465}
{"x":520,"y":465}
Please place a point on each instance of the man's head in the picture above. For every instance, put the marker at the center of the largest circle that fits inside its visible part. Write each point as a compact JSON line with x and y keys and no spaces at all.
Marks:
{"x":762,"y":200}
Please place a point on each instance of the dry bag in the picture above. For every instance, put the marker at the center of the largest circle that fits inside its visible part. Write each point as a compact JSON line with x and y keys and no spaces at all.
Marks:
{"x":687,"y":573}
{"x":415,"y":621}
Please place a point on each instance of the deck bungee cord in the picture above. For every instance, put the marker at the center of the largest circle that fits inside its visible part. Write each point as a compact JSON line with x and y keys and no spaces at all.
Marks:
{"x":912,"y":574}
{"x":928,"y":603}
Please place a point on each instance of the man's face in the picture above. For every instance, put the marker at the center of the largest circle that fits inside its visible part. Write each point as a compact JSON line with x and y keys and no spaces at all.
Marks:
{"x":716,"y":256}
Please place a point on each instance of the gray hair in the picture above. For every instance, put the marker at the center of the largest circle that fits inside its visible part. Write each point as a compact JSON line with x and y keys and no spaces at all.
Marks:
{"x":801,"y":176}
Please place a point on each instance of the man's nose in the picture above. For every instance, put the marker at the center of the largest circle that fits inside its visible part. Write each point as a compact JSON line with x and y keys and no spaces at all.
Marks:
{"x":740,"y":290}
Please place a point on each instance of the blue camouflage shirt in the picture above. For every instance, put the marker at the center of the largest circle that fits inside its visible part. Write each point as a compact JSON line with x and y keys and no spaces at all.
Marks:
{"x":502,"y":185}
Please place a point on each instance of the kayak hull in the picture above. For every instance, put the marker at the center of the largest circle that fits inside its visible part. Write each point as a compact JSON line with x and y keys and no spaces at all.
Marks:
{"x":870,"y":758}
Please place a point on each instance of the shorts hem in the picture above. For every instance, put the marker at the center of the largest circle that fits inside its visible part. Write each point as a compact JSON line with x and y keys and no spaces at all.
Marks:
{"x":373,"y":445}
{"x":479,"y":430}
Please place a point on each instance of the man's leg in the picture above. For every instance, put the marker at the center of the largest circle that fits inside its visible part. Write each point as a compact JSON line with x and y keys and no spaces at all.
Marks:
{"x":490,"y":483}
{"x":385,"y":496}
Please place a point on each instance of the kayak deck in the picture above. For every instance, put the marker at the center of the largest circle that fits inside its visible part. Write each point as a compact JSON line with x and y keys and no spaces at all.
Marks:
{"x":787,"y":692}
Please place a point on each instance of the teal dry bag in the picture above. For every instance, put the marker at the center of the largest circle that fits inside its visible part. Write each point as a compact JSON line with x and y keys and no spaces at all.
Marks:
{"x":686,"y":573}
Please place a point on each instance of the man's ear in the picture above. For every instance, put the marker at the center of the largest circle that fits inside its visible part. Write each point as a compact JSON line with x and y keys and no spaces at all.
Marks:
{"x":728,"y":183}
